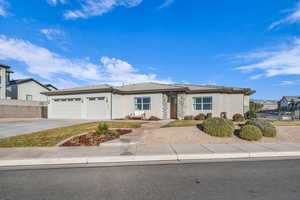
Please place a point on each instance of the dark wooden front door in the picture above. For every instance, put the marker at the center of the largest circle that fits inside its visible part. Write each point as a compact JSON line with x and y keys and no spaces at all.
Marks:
{"x":173,"y":107}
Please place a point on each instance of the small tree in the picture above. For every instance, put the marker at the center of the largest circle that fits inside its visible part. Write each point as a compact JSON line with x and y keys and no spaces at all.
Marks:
{"x":255,"y":106}
{"x":102,"y":129}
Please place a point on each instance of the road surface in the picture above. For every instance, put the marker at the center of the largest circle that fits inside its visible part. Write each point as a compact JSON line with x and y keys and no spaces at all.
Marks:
{"x":265,"y":180}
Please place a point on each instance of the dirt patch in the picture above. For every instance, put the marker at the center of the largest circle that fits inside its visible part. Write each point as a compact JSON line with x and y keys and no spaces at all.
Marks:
{"x":192,"y":135}
{"x":95,"y":139}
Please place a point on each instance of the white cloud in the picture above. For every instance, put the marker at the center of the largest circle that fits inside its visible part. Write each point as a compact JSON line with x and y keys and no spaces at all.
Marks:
{"x":51,"y":33}
{"x":18,"y":75}
{"x":51,"y":66}
{"x":3,"y":6}
{"x":54,"y":2}
{"x":282,"y":61}
{"x":287,"y":82}
{"x":293,"y":17}
{"x":118,"y":72}
{"x":166,"y":3}
{"x":91,"y":8}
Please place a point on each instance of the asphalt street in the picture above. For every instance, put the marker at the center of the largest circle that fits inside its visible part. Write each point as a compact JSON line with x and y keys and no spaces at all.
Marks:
{"x":279,"y":179}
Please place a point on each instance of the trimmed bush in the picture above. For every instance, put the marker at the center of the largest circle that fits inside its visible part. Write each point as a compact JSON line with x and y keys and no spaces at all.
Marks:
{"x":102,"y":129}
{"x":250,"y":115}
{"x":250,"y":132}
{"x":238,"y":117}
{"x":270,"y":132}
{"x":154,"y":118}
{"x":188,"y":117}
{"x":208,"y":115}
{"x":218,"y":127}
{"x":267,"y":129}
{"x":200,"y":116}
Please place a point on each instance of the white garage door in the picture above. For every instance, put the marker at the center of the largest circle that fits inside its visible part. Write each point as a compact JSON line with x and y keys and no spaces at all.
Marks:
{"x":66,"y":108}
{"x":96,"y":108}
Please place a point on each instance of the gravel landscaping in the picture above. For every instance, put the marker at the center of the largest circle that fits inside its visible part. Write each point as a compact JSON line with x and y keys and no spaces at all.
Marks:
{"x":192,"y":135}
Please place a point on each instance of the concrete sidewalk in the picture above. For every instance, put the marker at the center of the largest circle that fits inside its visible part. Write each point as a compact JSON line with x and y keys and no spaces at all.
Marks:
{"x":138,"y":153}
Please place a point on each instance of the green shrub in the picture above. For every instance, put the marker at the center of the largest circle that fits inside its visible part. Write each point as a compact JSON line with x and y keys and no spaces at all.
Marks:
{"x":267,"y":129}
{"x":238,"y":117}
{"x":208,"y":115}
{"x":153,"y":118}
{"x":250,"y":115}
{"x":270,"y":132}
{"x":250,"y":132}
{"x":218,"y":127}
{"x":102,"y":129}
{"x":200,"y":116}
{"x":188,"y":117}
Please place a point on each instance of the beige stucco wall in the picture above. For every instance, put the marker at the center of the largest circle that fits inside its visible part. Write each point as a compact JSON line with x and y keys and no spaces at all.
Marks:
{"x":83,"y":105}
{"x":229,"y":103}
{"x":31,"y":88}
{"x":123,"y":105}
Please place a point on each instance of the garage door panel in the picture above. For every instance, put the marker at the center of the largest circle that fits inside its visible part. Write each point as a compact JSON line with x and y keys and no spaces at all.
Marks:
{"x":97,"y":109}
{"x":67,"y":110}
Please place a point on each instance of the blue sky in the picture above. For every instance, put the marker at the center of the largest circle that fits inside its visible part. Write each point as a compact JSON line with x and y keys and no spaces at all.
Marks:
{"x":69,"y":43}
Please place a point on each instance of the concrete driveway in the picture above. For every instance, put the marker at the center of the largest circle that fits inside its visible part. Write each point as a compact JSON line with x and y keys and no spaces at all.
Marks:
{"x":18,"y":127}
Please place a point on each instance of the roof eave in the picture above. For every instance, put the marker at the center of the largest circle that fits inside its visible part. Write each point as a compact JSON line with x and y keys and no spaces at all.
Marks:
{"x":152,"y":91}
{"x":55,"y":93}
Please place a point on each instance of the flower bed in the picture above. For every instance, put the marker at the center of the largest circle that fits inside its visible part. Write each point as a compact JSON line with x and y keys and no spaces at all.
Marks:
{"x":94,"y":139}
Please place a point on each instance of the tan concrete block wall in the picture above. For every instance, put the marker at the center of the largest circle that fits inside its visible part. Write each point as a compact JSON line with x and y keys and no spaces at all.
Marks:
{"x":15,"y":111}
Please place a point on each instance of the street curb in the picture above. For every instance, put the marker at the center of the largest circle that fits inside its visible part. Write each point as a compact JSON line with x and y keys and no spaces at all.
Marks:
{"x":145,"y":158}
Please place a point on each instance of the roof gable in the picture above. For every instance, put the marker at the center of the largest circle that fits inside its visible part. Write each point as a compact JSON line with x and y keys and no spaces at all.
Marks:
{"x":22,"y":81}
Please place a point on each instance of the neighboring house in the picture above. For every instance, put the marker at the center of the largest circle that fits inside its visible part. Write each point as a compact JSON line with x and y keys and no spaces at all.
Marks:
{"x":22,"y":89}
{"x":166,"y":101}
{"x":289,"y":103}
{"x":51,"y":87}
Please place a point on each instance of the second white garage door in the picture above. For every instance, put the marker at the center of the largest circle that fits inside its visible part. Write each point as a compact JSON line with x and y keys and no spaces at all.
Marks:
{"x":96,"y":108}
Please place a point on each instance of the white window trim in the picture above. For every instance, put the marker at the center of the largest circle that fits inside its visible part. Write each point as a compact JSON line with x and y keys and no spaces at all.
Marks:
{"x":202,"y":103}
{"x":142,"y":103}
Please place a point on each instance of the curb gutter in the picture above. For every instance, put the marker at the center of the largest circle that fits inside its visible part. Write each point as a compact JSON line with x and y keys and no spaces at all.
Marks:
{"x":145,"y":158}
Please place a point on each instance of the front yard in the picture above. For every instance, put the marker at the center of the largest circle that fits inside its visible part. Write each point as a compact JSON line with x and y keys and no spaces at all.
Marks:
{"x":54,"y":136}
{"x":182,"y":123}
{"x":193,"y":135}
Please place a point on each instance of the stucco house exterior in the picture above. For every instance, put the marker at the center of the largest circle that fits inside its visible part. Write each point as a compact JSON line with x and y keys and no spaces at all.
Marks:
{"x":23,"y":89}
{"x":166,"y":101}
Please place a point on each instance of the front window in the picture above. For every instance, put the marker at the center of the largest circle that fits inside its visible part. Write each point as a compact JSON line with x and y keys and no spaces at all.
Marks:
{"x":202,"y":103}
{"x":142,"y":103}
{"x":28,"y":97}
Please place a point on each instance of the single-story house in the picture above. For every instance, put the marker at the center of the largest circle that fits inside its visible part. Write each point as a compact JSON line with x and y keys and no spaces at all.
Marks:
{"x":27,"y":89}
{"x":165,"y":101}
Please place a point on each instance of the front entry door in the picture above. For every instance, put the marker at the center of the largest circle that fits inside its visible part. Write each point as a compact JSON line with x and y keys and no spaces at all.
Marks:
{"x":173,"y":107}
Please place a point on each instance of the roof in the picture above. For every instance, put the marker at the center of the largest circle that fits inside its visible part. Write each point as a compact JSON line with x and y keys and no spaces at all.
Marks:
{"x":86,"y":89}
{"x":6,"y":67}
{"x":141,"y":88}
{"x":292,"y":98}
{"x":50,"y":85}
{"x":20,"y":81}
{"x":216,"y":89}
{"x":155,"y":87}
